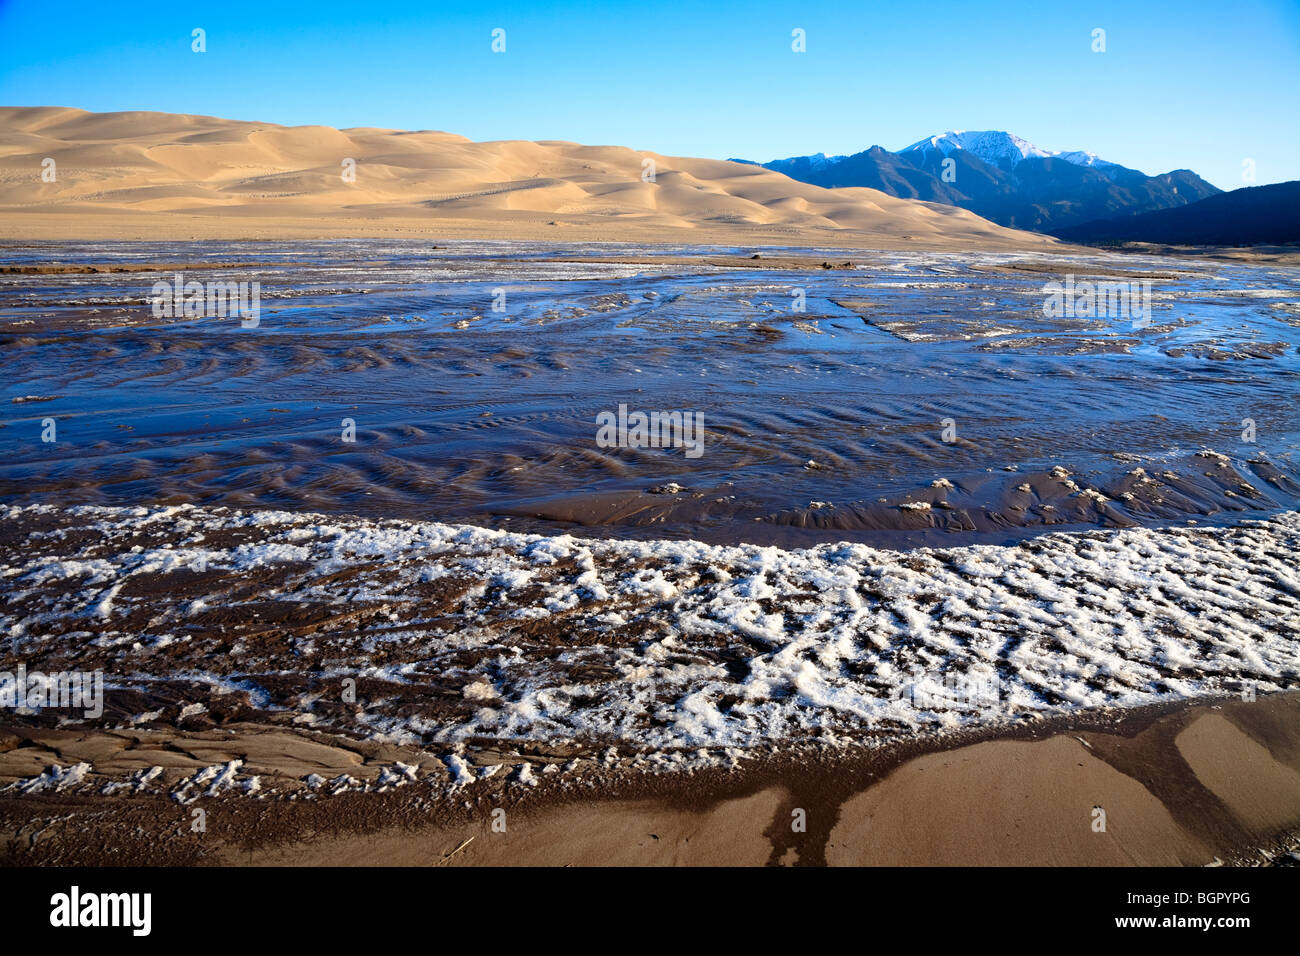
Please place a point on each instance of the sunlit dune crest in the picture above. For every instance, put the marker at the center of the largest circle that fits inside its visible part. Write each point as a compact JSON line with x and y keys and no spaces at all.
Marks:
{"x":144,"y":174}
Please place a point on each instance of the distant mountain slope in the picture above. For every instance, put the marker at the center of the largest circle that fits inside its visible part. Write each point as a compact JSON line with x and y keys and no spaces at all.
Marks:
{"x":136,"y":173}
{"x":1256,"y":215}
{"x":1003,"y":178}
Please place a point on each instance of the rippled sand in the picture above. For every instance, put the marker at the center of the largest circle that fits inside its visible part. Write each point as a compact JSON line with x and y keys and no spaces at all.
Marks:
{"x":825,"y":424}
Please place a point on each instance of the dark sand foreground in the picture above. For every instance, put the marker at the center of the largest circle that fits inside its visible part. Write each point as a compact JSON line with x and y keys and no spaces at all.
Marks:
{"x":1188,"y":784}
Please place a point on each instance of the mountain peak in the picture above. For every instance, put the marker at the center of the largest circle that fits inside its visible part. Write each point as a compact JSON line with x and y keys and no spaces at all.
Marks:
{"x":1003,"y":178}
{"x":999,"y":148}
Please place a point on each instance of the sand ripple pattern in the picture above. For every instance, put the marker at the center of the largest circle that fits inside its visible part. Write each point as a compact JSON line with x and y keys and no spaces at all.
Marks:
{"x":472,"y":415}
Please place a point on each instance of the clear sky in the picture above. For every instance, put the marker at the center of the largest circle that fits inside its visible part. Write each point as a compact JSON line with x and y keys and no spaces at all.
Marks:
{"x":1182,"y":83}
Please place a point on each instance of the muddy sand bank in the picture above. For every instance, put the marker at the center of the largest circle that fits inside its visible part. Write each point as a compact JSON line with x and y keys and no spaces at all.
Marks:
{"x":1185,"y":784}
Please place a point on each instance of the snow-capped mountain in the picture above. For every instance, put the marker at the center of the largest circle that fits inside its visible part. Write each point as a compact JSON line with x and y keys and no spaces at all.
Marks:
{"x":998,"y":148}
{"x":1081,"y":158}
{"x":1003,"y":178}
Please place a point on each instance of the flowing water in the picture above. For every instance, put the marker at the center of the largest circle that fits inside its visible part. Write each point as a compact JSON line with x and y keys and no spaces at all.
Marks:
{"x":916,"y":398}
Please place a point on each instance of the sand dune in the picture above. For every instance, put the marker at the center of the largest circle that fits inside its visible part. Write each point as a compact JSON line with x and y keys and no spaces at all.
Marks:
{"x":151,"y":175}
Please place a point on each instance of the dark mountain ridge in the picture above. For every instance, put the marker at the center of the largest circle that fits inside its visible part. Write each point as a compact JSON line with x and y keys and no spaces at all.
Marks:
{"x":1003,"y":178}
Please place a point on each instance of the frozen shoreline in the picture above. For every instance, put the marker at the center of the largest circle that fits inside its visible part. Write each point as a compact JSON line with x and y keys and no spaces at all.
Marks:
{"x":456,"y":634}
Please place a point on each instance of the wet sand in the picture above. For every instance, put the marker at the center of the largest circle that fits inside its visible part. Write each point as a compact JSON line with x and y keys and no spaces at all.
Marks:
{"x":642,"y":656}
{"x":915,"y":398}
{"x":1181,"y":785}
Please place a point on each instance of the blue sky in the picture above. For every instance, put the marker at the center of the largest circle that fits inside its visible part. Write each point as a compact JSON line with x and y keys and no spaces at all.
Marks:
{"x":1202,"y":85}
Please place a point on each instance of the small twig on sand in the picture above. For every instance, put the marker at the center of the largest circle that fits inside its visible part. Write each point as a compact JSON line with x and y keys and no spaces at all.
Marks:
{"x":455,"y":851}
